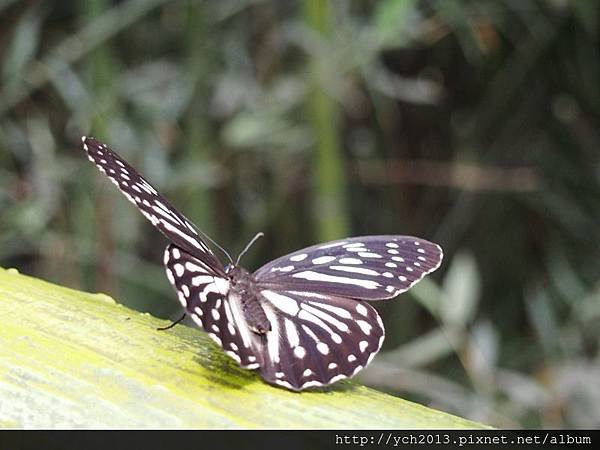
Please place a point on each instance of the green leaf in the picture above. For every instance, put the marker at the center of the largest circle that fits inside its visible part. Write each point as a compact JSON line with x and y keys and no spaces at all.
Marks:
{"x":73,"y":359}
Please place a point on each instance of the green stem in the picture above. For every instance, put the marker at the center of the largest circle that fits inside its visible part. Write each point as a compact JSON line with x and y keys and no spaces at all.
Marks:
{"x":329,"y":183}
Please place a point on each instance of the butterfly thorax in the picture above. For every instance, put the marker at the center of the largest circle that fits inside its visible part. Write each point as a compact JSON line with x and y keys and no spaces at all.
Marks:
{"x":243,"y":289}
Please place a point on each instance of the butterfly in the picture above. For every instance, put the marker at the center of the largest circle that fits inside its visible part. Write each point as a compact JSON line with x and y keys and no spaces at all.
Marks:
{"x":301,"y":320}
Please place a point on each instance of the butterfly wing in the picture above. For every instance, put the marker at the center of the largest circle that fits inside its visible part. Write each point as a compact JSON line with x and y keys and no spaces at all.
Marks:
{"x":366,"y":268}
{"x":322,"y":329}
{"x":316,"y":339}
{"x":205,"y":298}
{"x":157,"y":209}
{"x":197,"y":276}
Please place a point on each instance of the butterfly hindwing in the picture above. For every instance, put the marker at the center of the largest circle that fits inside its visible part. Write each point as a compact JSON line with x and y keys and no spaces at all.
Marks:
{"x":206,"y":300}
{"x":316,"y":339}
{"x":157,"y":209}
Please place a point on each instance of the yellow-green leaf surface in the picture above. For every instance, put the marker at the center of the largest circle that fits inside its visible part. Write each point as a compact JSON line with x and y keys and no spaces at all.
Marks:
{"x":73,"y":359}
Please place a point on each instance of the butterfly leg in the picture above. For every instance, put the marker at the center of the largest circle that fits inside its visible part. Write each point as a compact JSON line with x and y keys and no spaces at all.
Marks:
{"x":168,"y":327}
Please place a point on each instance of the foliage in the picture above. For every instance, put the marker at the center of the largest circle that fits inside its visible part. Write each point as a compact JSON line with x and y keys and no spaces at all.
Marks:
{"x":473,"y":124}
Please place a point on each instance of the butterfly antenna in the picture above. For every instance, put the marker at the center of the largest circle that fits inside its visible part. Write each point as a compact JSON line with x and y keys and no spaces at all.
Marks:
{"x":208,"y":238}
{"x":254,"y":239}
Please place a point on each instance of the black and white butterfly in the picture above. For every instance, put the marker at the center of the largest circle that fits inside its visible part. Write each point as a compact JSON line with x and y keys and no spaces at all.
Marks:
{"x":303,"y":319}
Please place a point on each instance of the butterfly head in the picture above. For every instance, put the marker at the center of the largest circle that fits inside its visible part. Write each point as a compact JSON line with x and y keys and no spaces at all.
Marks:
{"x":236,"y":273}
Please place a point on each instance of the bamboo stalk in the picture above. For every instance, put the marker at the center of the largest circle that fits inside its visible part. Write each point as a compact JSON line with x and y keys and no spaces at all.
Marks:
{"x":329,"y":182}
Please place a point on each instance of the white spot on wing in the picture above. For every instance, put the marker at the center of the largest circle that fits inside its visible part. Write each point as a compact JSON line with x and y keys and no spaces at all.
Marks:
{"x":299,"y":257}
{"x":234,"y":356}
{"x":323,"y":259}
{"x":273,"y":335}
{"x":354,"y":244}
{"x":369,"y":255}
{"x":325,"y":316}
{"x":351,"y":269}
{"x":222,"y":285}
{"x":240,"y":322}
{"x":335,"y":244}
{"x":315,"y":276}
{"x":182,"y":299}
{"x":299,"y":352}
{"x":198,"y":320}
{"x":178,"y":269}
{"x":202,"y":279}
{"x":170,"y":276}
{"x":323,"y":348}
{"x":350,"y":261}
{"x":362,"y":310}
{"x":215,"y":338}
{"x":308,"y":331}
{"x":337,"y":377}
{"x":286,"y":304}
{"x":334,"y":309}
{"x":291,"y":333}
{"x":305,"y":315}
{"x":282,"y":269}
{"x":364,"y":326}
{"x":178,"y":232}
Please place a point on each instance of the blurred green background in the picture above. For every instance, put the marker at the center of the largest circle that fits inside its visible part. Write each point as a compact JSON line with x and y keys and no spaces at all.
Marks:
{"x":470,"y":123}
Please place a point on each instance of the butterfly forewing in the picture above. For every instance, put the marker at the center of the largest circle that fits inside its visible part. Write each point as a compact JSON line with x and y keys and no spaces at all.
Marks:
{"x":206,"y":299}
{"x":317,"y":339}
{"x":367,"y":268}
{"x":153,"y":206}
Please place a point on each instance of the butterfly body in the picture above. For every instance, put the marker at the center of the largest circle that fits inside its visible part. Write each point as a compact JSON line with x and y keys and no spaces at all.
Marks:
{"x":243,"y":289}
{"x":301,"y":320}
